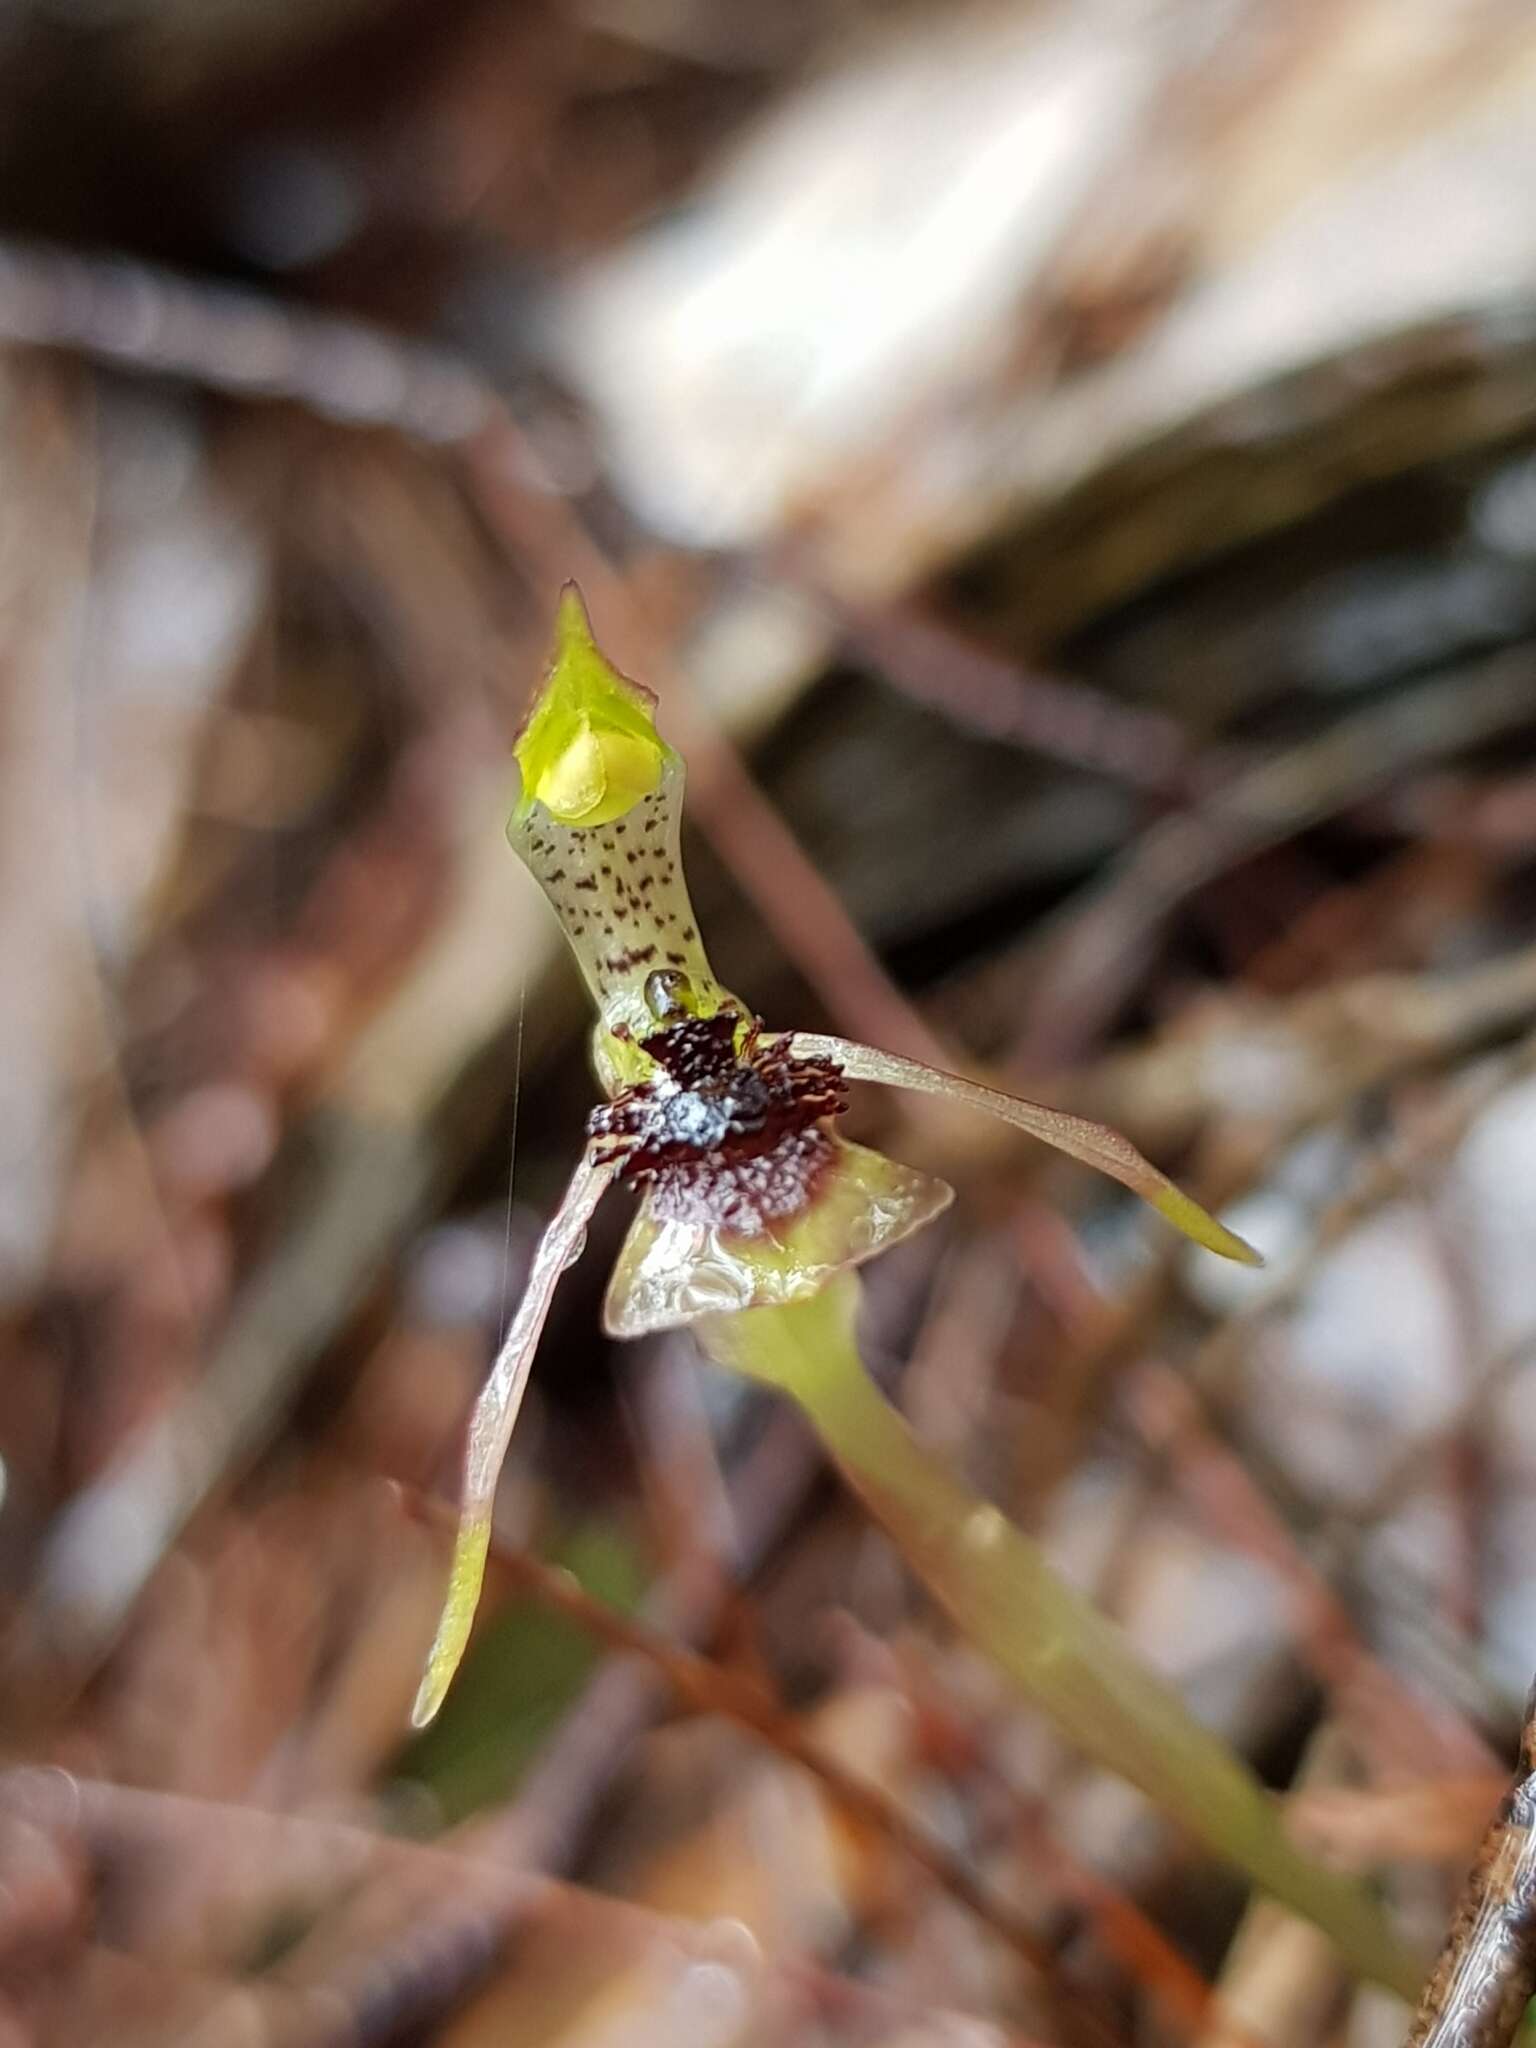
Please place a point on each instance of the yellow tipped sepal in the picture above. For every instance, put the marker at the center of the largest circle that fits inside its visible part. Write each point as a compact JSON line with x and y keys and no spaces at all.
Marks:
{"x":492,"y":1424}
{"x":1095,"y":1144}
{"x":1186,"y":1214}
{"x":471,"y":1547}
{"x":589,"y":750}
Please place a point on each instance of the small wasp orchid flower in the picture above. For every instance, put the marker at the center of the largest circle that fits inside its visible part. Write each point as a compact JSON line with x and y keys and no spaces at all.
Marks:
{"x":749,"y":1198}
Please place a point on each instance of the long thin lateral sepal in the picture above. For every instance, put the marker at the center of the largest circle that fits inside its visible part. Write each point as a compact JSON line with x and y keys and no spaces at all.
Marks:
{"x":1094,"y":1144}
{"x":491,"y":1426}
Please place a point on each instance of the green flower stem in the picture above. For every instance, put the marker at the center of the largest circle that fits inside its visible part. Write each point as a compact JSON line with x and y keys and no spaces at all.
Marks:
{"x":1003,"y":1594}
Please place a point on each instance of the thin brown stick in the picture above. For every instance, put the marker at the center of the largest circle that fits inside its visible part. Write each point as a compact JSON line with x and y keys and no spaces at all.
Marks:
{"x":982,"y":691}
{"x":1419,"y":1021}
{"x":1486,"y":1975}
{"x":1066,"y":982}
{"x":1141,"y":1947}
{"x":1127,"y":1932}
{"x":554,"y":1803}
{"x":1348,"y":1526}
{"x":1381,"y":1179}
{"x":323,"y":1851}
{"x":1228,"y":1498}
{"x":242,"y":342}
{"x":711,"y":1688}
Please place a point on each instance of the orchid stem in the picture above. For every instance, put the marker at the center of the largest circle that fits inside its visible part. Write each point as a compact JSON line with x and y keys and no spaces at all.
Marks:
{"x":1004,"y":1595}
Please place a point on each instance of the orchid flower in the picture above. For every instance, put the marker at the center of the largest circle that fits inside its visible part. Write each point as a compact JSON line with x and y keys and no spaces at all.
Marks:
{"x":749,"y":1198}
{"x":752,"y":1211}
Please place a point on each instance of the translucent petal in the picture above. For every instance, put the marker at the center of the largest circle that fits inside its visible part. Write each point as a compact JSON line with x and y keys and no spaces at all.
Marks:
{"x":1095,"y":1144}
{"x":670,"y":1272}
{"x":491,"y":1426}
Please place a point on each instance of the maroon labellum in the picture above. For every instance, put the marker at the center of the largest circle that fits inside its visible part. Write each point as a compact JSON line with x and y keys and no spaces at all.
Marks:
{"x":725,"y":1137}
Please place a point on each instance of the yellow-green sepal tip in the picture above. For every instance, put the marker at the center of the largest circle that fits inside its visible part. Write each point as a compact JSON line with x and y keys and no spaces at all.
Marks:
{"x":1198,"y":1224}
{"x":589,"y":749}
{"x":464,"y":1582}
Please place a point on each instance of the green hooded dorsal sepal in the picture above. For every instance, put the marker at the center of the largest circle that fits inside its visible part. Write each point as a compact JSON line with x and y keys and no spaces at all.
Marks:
{"x":597,"y":824}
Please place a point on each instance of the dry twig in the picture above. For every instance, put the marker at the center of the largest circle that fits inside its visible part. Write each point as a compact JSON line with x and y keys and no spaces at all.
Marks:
{"x":1067,"y":983}
{"x":321,"y":1852}
{"x":708,"y":1687}
{"x":1486,"y":1975}
{"x":984,"y":692}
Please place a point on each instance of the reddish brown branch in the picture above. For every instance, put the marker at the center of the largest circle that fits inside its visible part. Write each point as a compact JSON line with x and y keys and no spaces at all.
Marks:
{"x":711,"y":1688}
{"x":238,"y":341}
{"x":1135,"y":1941}
{"x":1231,"y":1501}
{"x":985,"y":692}
{"x":291,"y":2008}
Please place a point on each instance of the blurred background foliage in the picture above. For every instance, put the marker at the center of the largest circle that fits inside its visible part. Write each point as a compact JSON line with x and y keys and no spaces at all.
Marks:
{"x":1069,"y":471}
